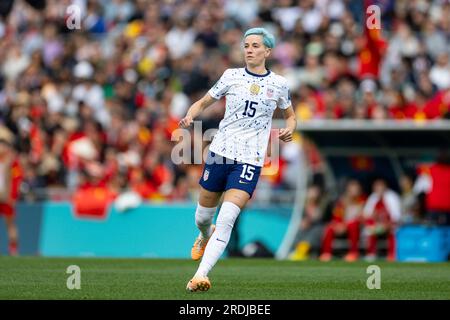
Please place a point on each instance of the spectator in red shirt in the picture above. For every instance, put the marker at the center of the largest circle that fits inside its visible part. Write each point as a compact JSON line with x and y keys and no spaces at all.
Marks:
{"x":382,"y":212}
{"x":434,"y":181}
{"x":346,"y":218}
{"x":10,"y":179}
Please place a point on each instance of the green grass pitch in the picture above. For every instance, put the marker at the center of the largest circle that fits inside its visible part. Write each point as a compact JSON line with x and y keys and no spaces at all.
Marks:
{"x":252,"y":279}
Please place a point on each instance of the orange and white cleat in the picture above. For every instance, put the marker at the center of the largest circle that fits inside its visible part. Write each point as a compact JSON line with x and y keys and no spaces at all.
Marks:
{"x":198,"y":284}
{"x":198,"y":249}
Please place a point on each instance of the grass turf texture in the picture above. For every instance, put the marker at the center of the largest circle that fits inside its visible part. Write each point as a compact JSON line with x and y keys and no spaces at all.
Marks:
{"x":253,"y":279}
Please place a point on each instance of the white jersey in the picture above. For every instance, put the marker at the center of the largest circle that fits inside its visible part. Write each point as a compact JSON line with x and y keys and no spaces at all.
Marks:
{"x":251,"y":99}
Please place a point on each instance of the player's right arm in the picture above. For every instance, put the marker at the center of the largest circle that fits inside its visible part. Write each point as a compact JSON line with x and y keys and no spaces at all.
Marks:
{"x":196,"y":109}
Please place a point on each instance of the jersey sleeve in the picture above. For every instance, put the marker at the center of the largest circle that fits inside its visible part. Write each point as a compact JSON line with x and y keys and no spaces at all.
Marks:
{"x":284,"y":101}
{"x":222,"y":85}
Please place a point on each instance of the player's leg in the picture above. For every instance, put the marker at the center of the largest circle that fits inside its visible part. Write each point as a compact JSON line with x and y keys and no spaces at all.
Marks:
{"x":353,"y":239}
{"x":238,"y":191}
{"x":233,"y":202}
{"x":327,"y":243}
{"x":371,"y":250}
{"x":212,"y":184}
{"x":204,"y":215}
{"x":391,"y":244}
{"x":206,"y":209}
{"x":13,"y":234}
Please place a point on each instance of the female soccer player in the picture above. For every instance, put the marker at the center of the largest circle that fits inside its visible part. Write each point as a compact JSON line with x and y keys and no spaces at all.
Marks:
{"x":236,"y":154}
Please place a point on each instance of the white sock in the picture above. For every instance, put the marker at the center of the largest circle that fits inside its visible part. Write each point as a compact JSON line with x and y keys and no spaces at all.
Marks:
{"x":220,"y":238}
{"x":203,"y":219}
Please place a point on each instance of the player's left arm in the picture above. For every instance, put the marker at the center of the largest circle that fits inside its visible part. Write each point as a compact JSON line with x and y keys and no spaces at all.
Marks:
{"x":285,"y":134}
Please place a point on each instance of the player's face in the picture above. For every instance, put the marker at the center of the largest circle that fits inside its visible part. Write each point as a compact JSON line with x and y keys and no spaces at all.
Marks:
{"x":255,"y":51}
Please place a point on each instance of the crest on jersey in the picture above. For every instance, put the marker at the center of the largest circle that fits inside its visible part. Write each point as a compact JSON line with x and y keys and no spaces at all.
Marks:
{"x":206,"y":175}
{"x":269,"y":92}
{"x":254,"y":88}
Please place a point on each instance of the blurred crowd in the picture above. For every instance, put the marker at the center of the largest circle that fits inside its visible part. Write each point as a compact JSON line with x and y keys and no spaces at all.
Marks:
{"x":96,"y":106}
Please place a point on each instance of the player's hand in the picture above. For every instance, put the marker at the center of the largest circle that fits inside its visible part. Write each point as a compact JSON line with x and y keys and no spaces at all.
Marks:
{"x":285,"y":134}
{"x":186,"y":122}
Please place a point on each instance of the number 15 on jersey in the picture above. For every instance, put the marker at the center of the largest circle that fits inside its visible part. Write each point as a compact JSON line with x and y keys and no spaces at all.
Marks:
{"x":250,"y":110}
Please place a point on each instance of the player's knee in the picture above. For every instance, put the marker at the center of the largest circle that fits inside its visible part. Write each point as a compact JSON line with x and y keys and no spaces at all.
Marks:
{"x":204,"y":215}
{"x":227,"y":215}
{"x":202,"y":221}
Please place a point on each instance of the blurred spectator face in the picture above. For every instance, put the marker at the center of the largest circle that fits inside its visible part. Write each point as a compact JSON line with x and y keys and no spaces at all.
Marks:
{"x":329,"y":97}
{"x":369,"y":97}
{"x":182,"y":22}
{"x":136,"y":176}
{"x":425,"y":85}
{"x":306,"y":4}
{"x":111,"y":155}
{"x":353,"y":189}
{"x":347,"y":103}
{"x":406,"y":183}
{"x":86,"y":113}
{"x":360,"y":112}
{"x":4,"y":148}
{"x":393,"y":98}
{"x":151,"y":160}
{"x":91,"y":131}
{"x":379,"y":186}
{"x":420,"y":99}
{"x":142,"y":117}
{"x":284,"y":3}
{"x":59,"y":139}
{"x":313,"y":194}
{"x":49,"y":31}
{"x":398,"y":75}
{"x":379,"y":112}
{"x":346,"y":87}
{"x":442,"y":60}
{"x":331,"y":64}
{"x":332,"y":42}
{"x":312,"y":61}
{"x":255,"y":51}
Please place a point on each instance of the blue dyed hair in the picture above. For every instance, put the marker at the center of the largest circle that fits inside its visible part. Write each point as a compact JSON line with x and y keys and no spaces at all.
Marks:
{"x":268,"y":38}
